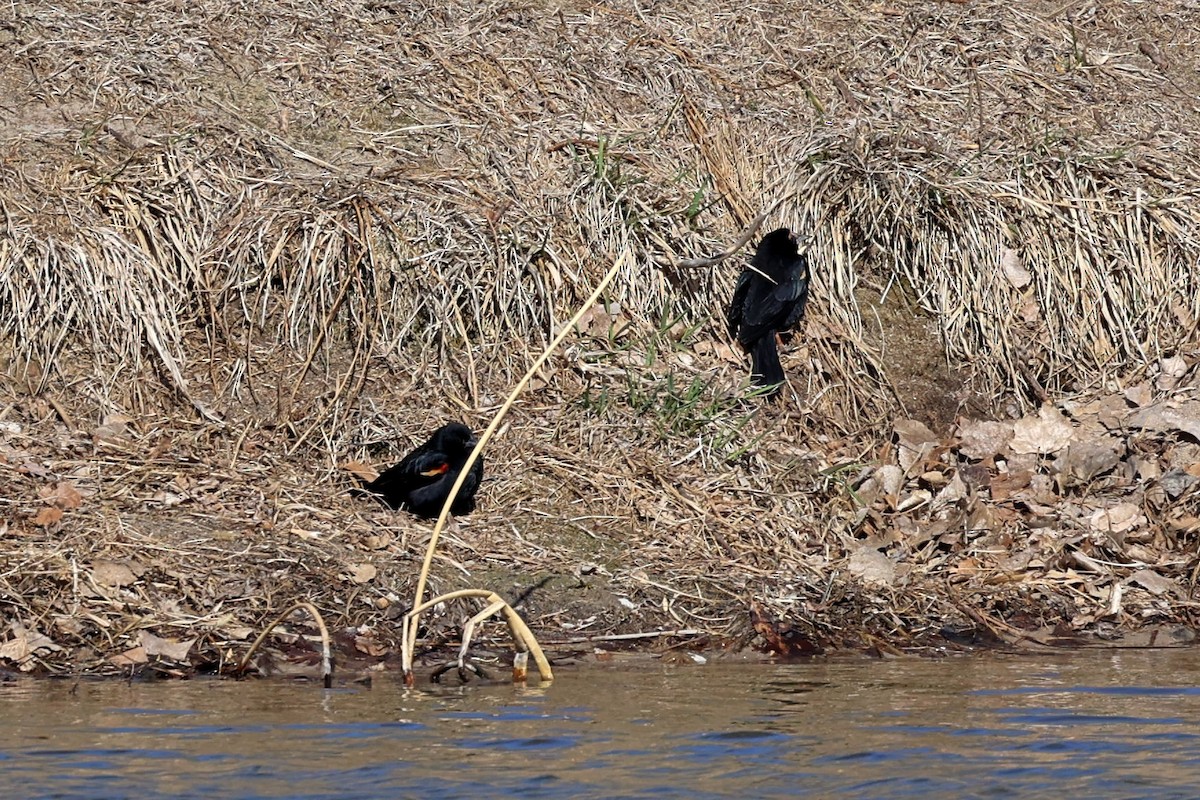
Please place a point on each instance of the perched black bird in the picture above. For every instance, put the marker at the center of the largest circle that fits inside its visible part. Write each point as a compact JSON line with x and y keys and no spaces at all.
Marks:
{"x":424,"y":477}
{"x":769,"y":298}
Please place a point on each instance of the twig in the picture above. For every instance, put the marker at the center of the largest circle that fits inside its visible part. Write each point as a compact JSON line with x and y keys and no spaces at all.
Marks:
{"x":747,"y":235}
{"x":626,"y":637}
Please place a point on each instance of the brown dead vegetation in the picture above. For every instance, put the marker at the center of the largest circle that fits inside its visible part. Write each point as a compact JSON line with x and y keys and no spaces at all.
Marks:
{"x":246,"y":244}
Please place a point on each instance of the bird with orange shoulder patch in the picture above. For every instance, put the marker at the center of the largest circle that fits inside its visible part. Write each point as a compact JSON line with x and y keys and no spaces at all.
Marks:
{"x":422,"y":480}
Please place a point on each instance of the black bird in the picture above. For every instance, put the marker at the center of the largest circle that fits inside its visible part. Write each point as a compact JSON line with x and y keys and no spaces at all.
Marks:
{"x":769,"y":298}
{"x":423,"y":478}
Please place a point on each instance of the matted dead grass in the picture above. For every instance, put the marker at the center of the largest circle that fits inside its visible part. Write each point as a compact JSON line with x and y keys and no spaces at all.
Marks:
{"x":246,"y":243}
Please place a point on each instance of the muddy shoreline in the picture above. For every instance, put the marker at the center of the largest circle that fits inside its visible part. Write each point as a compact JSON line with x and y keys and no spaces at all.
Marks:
{"x":1068,"y":527}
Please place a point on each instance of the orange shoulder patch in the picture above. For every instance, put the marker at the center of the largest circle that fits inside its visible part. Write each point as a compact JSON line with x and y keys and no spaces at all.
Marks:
{"x":440,"y":469}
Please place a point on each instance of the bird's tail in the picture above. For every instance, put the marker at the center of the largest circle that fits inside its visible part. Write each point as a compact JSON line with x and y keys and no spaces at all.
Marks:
{"x":764,"y":358}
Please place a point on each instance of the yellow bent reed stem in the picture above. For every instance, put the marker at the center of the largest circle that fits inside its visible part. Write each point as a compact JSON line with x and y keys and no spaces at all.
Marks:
{"x":524,"y":642}
{"x":326,"y":650}
{"x":516,"y":624}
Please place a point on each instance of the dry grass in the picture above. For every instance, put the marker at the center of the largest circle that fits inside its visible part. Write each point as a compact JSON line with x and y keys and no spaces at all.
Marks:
{"x":275,"y":236}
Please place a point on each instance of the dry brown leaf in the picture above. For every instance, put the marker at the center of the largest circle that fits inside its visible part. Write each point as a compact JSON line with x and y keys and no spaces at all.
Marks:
{"x":915,"y":442}
{"x":23,"y":645}
{"x":1047,"y":433}
{"x":1117,"y":519}
{"x":871,"y":566}
{"x":130,"y":658}
{"x":363,"y":573}
{"x":983,"y":440}
{"x":1165,"y":418}
{"x":65,"y":496}
{"x":1014,"y":269}
{"x":1139,"y":395}
{"x":169,"y":649}
{"x":359,"y":470}
{"x":47,"y":516}
{"x":115,"y":573}
{"x":1154,"y":583}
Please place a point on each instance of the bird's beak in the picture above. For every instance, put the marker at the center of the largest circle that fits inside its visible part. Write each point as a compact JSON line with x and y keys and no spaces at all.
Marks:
{"x":471,"y":443}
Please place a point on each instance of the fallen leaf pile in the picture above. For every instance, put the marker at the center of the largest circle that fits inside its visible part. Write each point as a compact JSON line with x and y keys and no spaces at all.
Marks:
{"x":1097,"y":498}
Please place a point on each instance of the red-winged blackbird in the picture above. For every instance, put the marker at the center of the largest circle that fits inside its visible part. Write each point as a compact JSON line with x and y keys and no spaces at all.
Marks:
{"x":424,"y":477}
{"x":769,"y":298}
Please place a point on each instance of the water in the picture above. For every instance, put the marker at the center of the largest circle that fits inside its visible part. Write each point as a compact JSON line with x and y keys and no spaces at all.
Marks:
{"x":1120,"y":724}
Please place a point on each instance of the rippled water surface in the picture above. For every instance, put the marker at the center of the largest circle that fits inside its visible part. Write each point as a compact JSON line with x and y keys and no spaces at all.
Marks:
{"x":1120,"y":724}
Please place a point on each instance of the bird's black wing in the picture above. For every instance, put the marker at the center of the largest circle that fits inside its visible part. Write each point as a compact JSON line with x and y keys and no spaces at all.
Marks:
{"x":771,"y":307}
{"x":416,"y":469}
{"x":428,"y":464}
{"x":800,"y":280}
{"x":736,"y":310}
{"x":465,"y":502}
{"x":766,"y":306}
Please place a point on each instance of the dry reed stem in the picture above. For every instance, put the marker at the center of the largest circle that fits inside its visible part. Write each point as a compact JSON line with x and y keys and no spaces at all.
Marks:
{"x":326,"y":651}
{"x":524,"y":641}
{"x":410,"y":630}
